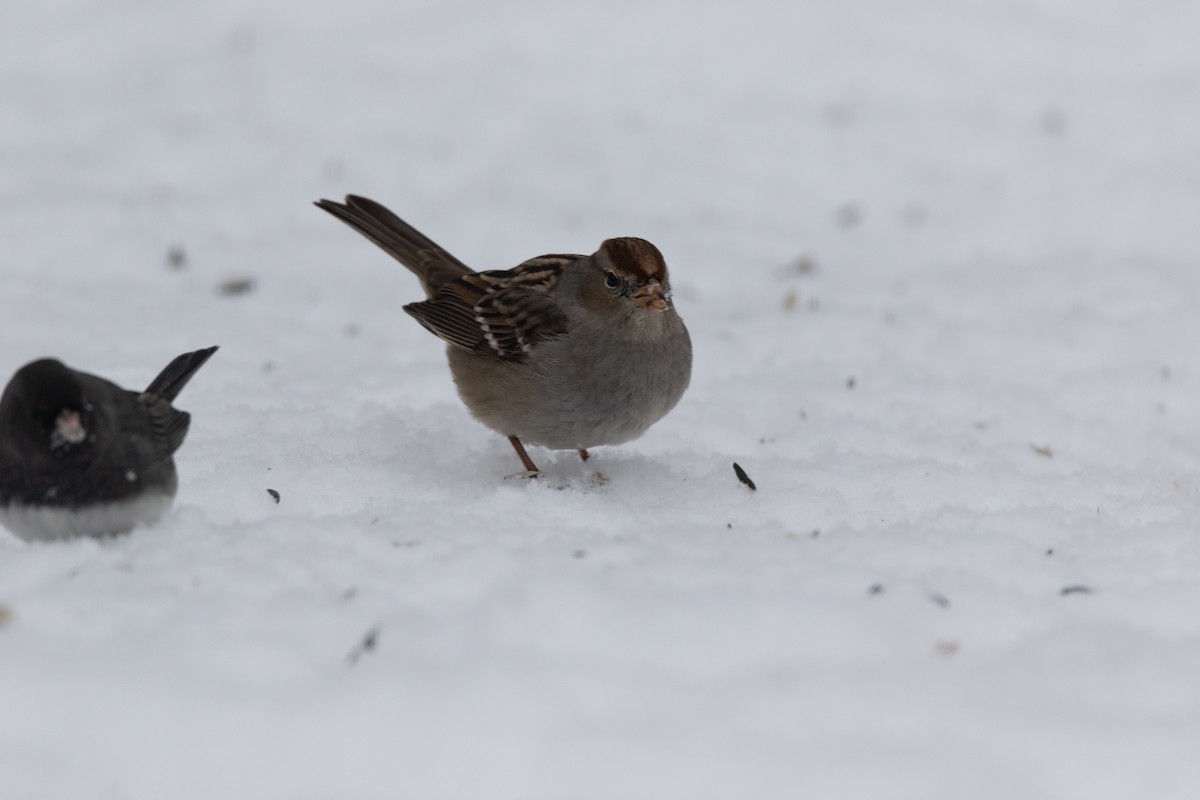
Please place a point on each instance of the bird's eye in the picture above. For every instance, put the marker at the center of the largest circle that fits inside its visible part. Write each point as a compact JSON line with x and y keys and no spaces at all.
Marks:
{"x":612,"y":281}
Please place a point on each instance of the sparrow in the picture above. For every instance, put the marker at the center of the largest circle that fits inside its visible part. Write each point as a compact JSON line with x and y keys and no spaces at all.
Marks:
{"x":567,"y":352}
{"x":80,"y":456}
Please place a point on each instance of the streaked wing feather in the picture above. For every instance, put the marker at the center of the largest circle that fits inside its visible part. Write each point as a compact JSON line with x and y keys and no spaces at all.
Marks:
{"x":502,"y":313}
{"x":449,"y":319}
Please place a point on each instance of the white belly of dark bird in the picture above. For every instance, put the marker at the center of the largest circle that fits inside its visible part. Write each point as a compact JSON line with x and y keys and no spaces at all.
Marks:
{"x":39,"y":523}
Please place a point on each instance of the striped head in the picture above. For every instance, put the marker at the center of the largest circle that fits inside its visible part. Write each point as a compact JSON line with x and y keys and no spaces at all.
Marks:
{"x":635,"y":268}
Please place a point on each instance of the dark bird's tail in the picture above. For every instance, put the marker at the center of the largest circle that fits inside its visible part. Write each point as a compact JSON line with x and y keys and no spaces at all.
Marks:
{"x":429,"y":262}
{"x":175,"y":376}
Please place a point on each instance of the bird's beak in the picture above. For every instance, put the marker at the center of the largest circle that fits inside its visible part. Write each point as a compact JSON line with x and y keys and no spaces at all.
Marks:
{"x":68,"y":429}
{"x":651,"y":294}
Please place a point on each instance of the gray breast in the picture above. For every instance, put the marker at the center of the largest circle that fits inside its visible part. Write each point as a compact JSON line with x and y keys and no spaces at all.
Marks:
{"x":573,"y":394}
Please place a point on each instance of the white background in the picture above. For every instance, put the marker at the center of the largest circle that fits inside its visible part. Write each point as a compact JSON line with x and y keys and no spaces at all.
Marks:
{"x":995,"y":205}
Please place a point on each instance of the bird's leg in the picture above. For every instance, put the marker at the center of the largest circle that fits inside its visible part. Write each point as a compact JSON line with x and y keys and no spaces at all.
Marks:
{"x":521,"y":454}
{"x":583,"y":454}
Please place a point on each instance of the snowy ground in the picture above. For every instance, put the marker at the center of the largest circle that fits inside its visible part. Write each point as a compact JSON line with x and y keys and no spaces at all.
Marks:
{"x":939,"y":263}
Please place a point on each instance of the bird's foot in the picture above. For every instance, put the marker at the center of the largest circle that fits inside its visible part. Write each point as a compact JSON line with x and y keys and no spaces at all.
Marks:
{"x":531,"y":469}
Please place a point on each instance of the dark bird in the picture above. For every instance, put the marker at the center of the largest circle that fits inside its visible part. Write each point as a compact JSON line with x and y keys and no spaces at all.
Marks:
{"x":563,"y":351}
{"x":80,"y":456}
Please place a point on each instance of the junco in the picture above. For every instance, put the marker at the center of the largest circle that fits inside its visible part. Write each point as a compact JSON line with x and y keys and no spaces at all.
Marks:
{"x":563,"y":351}
{"x":80,"y":456}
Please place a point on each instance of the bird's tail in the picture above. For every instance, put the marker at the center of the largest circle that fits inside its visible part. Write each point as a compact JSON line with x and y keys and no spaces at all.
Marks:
{"x":175,"y":376}
{"x":428,"y":261}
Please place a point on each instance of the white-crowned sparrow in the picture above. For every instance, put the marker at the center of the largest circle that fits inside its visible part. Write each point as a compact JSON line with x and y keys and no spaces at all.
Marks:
{"x":563,"y":351}
{"x":80,"y":456}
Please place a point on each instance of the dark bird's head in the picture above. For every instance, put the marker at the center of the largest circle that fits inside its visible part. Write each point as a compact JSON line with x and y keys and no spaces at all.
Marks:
{"x":45,"y":406}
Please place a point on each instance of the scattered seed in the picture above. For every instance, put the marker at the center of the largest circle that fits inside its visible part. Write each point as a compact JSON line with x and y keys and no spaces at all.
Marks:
{"x":365,"y":645}
{"x":743,"y":477}
{"x":176,"y":257}
{"x":789,"y":300}
{"x":6,"y":615}
{"x":235,"y":286}
{"x":804,"y":265}
{"x":274,"y":495}
{"x":1077,"y":589}
{"x":1043,"y":451}
{"x":947,"y":647}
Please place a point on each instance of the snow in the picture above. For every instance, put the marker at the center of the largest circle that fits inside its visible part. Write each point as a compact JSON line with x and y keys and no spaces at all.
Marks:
{"x":980,"y":392}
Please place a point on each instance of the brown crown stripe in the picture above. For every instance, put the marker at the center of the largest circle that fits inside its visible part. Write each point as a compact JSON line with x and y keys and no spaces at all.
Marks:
{"x":636,"y":258}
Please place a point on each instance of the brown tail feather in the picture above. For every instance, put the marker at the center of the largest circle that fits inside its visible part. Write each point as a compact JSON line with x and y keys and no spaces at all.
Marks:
{"x":428,"y":261}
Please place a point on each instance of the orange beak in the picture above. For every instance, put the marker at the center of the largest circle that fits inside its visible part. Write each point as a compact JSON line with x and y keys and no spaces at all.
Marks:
{"x":651,"y":295}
